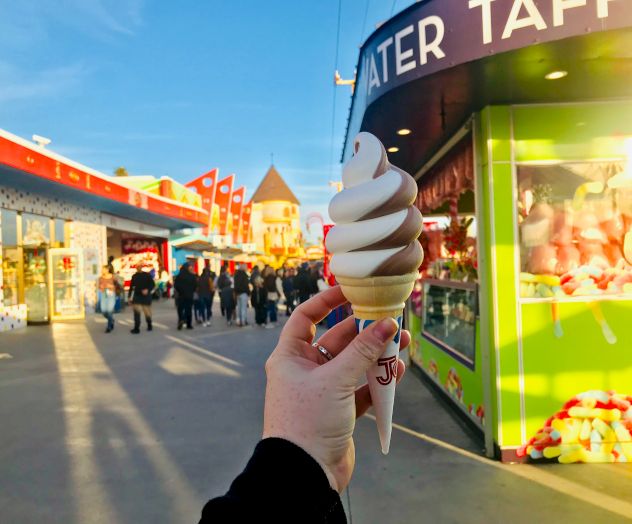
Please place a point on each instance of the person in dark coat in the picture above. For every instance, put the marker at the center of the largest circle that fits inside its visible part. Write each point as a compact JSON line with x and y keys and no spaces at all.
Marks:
{"x":259,"y":299}
{"x":304,"y":461}
{"x":302,"y":284}
{"x":139,"y":295}
{"x":228,"y":303}
{"x":205,"y":291}
{"x":242,"y":291}
{"x":185,"y":285}
{"x":288,"y":291}
{"x":223,"y":280}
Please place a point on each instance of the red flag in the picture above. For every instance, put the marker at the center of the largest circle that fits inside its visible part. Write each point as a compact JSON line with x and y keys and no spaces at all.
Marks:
{"x":236,"y":208}
{"x":224,"y":197}
{"x":245,"y":222}
{"x":205,"y":186}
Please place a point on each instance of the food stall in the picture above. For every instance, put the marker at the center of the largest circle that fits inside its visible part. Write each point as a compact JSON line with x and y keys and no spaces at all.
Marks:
{"x":523,"y":158}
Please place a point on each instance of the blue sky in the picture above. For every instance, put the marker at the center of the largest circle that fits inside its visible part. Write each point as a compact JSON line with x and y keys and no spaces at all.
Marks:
{"x":176,"y":88}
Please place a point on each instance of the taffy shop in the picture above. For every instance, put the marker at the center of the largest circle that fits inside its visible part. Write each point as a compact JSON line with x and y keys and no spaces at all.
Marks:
{"x":523,"y":159}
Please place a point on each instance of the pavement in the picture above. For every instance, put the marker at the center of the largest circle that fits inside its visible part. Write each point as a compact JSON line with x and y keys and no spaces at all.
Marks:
{"x":115,"y":428}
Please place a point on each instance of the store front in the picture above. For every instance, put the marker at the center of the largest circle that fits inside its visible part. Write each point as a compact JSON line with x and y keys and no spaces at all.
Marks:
{"x":56,"y":218}
{"x":521,"y":144}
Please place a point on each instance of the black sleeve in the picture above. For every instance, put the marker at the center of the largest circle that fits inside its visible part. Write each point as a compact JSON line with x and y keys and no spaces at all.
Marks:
{"x":281,"y":483}
{"x":132,"y":284}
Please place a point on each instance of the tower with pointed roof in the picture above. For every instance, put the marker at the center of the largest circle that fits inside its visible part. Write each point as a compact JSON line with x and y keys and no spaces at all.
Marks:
{"x":275,"y":220}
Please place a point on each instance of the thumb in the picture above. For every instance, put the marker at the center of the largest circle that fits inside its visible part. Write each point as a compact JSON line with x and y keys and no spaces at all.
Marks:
{"x":363,"y":351}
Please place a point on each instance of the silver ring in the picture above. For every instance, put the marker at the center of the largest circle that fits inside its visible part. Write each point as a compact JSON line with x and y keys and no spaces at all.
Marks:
{"x":322,"y":351}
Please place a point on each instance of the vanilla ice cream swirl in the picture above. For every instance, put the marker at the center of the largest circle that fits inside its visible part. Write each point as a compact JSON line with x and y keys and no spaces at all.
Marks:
{"x":377,"y":225}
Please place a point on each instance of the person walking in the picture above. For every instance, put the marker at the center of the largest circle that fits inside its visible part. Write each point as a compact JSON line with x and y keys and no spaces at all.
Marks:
{"x":185,"y":285}
{"x":205,"y":291}
{"x":227,"y":303}
{"x":302,"y":284}
{"x":242,"y":291}
{"x":107,"y":301}
{"x":139,"y":295}
{"x":259,"y":299}
{"x":288,"y":291}
{"x":223,"y":280}
{"x":254,"y":274}
{"x":274,"y":288}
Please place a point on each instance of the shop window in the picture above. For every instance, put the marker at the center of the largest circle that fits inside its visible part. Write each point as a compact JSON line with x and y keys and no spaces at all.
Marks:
{"x":10,"y":257}
{"x":60,"y":233}
{"x":35,"y":230}
{"x":575,"y":224}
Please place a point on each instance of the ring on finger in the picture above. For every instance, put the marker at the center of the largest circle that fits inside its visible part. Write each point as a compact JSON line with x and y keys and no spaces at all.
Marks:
{"x":322,"y":351}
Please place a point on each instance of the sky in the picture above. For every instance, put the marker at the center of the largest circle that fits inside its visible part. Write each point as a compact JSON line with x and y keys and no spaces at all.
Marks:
{"x":174,"y":89}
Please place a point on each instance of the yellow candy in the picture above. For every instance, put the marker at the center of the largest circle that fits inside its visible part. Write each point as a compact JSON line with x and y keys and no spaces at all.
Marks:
{"x":572,"y":454}
{"x":552,"y":452}
{"x":589,"y":402}
{"x":527,"y":277}
{"x":549,"y":280}
{"x":606,"y":432}
{"x":604,"y":414}
{"x":584,"y":434}
{"x":627,"y":450}
{"x":623,"y":435}
{"x":598,"y":456}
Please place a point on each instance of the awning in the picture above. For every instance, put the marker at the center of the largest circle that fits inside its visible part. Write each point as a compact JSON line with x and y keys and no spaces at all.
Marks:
{"x":29,"y":167}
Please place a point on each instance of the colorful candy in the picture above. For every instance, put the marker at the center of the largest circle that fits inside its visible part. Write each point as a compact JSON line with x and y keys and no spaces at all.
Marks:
{"x":592,"y":427}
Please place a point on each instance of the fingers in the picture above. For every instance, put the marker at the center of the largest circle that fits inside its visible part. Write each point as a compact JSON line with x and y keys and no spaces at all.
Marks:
{"x":363,"y":351}
{"x":339,"y":336}
{"x":301,"y":323}
{"x":363,"y":395}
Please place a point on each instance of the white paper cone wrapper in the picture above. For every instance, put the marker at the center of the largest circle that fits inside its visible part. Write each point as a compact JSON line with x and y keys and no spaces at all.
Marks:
{"x":382,"y":378}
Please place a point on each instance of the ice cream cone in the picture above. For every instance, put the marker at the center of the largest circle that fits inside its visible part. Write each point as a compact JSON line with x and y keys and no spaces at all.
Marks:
{"x":374,"y":298}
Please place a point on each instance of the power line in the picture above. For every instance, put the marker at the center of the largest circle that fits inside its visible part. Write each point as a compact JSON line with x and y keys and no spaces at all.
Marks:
{"x":393,"y":7}
{"x":366,"y":12}
{"x":333,"y":103}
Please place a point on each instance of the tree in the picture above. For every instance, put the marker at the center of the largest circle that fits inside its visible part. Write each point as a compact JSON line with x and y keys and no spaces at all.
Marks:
{"x":121,"y":171}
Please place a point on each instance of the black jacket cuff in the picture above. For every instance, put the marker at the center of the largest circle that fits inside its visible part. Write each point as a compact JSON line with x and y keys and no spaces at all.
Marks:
{"x":281,"y":482}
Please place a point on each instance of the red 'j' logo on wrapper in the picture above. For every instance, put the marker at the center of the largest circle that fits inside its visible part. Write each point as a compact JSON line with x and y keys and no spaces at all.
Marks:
{"x":390,"y":369}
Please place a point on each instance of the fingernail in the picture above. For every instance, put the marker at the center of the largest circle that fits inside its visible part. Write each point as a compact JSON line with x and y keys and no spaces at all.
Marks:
{"x":385,"y":329}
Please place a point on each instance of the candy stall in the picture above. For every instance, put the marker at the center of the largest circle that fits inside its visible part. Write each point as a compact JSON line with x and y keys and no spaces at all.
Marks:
{"x":515,"y":119}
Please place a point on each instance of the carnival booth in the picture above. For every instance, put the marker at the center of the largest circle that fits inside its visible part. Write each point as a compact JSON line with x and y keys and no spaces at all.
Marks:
{"x":523,"y":157}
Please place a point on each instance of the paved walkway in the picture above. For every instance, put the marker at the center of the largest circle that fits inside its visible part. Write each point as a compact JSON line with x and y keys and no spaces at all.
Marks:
{"x":117,"y":428}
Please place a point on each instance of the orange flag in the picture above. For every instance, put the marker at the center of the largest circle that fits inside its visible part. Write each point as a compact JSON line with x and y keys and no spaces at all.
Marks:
{"x":245,"y":222}
{"x":224,"y":197}
{"x":236,"y":207}
{"x":205,"y":186}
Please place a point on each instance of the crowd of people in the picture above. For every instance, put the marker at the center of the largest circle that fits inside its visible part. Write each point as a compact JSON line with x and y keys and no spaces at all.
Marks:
{"x":262,"y":289}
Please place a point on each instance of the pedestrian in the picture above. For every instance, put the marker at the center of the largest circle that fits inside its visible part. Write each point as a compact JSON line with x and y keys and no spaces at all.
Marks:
{"x":307,"y":446}
{"x":228,"y":303}
{"x":107,"y":301}
{"x":288,"y":291}
{"x":274,"y":288}
{"x":139,"y":295}
{"x":242,"y":291}
{"x":302,"y":284}
{"x":259,"y":301}
{"x":223,"y":280}
{"x":254,"y":274}
{"x":185,"y":285}
{"x":205,"y":291}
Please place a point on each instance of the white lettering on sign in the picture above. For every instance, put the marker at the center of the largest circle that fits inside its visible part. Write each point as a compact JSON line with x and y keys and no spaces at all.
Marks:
{"x":513,"y":22}
{"x":559,"y":6}
{"x":602,"y":8}
{"x":400,"y":56}
{"x":381,"y":49}
{"x":426,"y":48}
{"x":374,"y":78}
{"x":486,"y":12}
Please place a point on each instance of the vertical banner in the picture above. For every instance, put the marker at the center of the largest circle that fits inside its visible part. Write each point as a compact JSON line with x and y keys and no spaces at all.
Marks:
{"x":205,"y":185}
{"x":223,"y":198}
{"x":245,"y":222}
{"x":236,"y":208}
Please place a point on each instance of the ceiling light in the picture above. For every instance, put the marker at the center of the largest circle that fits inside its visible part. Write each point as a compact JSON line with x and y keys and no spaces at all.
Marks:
{"x":404,"y":132}
{"x":393,"y":149}
{"x":556,"y":75}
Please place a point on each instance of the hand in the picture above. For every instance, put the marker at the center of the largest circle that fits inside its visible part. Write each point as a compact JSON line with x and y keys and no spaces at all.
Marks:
{"x":313,"y":402}
{"x":144,"y":292}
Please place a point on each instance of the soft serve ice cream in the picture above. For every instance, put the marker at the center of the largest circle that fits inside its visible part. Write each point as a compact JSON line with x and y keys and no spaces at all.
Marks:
{"x":376,"y":255}
{"x":377,"y":225}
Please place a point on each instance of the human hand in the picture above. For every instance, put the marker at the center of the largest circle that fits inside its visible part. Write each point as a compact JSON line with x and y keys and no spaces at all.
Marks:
{"x":313,"y":402}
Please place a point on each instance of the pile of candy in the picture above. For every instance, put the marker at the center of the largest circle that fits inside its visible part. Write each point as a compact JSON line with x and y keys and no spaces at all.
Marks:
{"x":582,"y":281}
{"x":595,"y":426}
